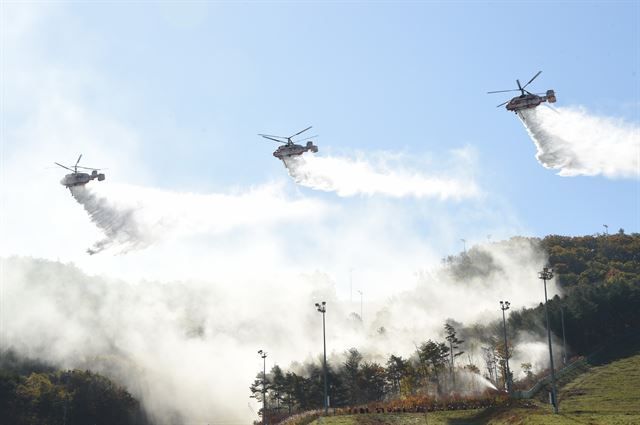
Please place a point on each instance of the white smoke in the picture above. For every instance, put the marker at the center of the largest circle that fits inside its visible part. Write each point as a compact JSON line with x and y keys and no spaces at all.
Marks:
{"x":188,"y":349}
{"x":349,"y":177}
{"x":259,"y":260}
{"x":576,"y":142}
{"x":135,"y":217}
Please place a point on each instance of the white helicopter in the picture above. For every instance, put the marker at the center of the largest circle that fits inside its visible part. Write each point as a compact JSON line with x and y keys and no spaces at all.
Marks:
{"x":77,"y":178}
{"x":290,"y":148}
{"x":526,"y":100}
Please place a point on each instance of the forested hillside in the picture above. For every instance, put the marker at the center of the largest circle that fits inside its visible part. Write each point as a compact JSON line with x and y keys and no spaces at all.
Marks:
{"x":32,"y":393}
{"x":601,"y":279}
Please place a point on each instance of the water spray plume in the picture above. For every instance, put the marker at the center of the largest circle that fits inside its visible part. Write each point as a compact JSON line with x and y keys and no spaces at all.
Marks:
{"x":135,"y":217}
{"x":575,"y":142}
{"x":349,"y":177}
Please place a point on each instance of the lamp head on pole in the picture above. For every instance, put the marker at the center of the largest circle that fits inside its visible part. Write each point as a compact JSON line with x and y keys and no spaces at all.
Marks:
{"x":321,"y":307}
{"x":545,"y":274}
{"x":504,"y":305}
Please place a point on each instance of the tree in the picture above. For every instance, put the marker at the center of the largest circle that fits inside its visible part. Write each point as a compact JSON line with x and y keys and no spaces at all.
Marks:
{"x":278,"y":386}
{"x":372,"y":382}
{"x":435,"y":355}
{"x":396,"y":369}
{"x":454,"y":344}
{"x":351,"y":376}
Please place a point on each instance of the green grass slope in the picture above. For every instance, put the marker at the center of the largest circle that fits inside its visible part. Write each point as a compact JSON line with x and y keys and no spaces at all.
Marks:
{"x":608,"y":394}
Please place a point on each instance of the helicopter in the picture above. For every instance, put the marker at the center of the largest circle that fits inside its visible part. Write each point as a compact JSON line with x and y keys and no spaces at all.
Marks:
{"x":78,"y":178}
{"x":290,"y":148}
{"x":528,"y":100}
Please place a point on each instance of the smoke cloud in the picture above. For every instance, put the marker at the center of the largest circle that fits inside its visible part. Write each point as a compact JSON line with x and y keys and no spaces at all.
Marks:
{"x":187,"y":349}
{"x":135,"y":217}
{"x":575,"y":142}
{"x":349,"y":177}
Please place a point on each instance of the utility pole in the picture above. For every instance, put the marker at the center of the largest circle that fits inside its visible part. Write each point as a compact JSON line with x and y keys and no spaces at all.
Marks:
{"x":464,"y":245}
{"x":351,"y":287}
{"x":606,"y":229}
{"x":361,"y":314}
{"x":547,"y":274}
{"x":322,"y":308}
{"x":504,"y":306}
{"x":263,"y":354}
{"x":564,"y":339}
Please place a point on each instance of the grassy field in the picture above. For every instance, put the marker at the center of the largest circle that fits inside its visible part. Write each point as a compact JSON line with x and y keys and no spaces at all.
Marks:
{"x":607,"y":394}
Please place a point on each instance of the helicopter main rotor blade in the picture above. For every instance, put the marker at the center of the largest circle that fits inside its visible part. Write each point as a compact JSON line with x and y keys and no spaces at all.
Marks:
{"x":78,"y":161}
{"x":89,"y":168}
{"x":502,"y":104}
{"x":299,"y":132}
{"x":271,"y":135}
{"x":64,"y":166}
{"x":534,"y":77}
{"x":271,"y":138}
{"x":501,"y":91}
{"x":519,"y":86}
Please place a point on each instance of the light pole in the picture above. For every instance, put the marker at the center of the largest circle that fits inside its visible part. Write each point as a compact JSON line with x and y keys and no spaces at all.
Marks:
{"x":504,"y":306}
{"x":464,"y":245}
{"x":351,"y":286}
{"x":322,"y":308}
{"x":547,"y":274}
{"x":263,"y":354}
{"x":606,"y":229}
{"x":564,"y":339}
{"x":361,"y":315}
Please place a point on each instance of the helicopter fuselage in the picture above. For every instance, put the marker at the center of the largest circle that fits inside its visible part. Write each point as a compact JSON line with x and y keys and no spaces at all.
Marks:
{"x":80,"y":179}
{"x":291,"y":149}
{"x":527,"y":101}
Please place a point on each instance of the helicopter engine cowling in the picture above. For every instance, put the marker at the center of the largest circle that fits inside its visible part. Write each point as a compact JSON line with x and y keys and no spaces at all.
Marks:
{"x":101,"y":177}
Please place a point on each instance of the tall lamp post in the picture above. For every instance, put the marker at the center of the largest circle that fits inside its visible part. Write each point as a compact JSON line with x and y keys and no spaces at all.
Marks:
{"x":322,"y":308}
{"x":263,"y":354}
{"x":361,"y":313}
{"x":564,"y":339}
{"x":351,"y":285}
{"x":504,"y":306}
{"x":547,"y":274}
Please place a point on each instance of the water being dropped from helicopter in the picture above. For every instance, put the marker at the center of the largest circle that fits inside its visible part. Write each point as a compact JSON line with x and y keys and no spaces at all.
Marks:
{"x":575,"y":142}
{"x":351,"y":177}
{"x":119,"y":224}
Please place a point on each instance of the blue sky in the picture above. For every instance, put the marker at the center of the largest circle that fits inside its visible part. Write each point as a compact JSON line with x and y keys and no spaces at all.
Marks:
{"x":196,"y":81}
